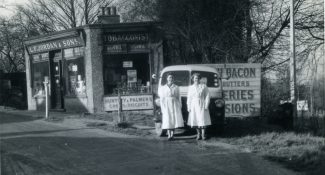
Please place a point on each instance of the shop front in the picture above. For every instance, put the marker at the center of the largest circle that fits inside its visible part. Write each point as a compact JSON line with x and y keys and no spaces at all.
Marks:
{"x":90,"y":66}
{"x":60,"y":60}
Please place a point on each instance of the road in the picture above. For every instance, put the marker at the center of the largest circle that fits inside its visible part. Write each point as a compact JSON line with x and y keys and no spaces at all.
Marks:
{"x":34,"y":146}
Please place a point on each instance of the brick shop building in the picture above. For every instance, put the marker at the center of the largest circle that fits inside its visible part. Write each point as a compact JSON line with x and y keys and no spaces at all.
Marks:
{"x":87,"y":66}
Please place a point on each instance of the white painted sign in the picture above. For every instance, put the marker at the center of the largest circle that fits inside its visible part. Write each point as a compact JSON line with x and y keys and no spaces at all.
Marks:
{"x":242,"y":91}
{"x":302,"y":105}
{"x":127,"y":64}
{"x":136,"y":102}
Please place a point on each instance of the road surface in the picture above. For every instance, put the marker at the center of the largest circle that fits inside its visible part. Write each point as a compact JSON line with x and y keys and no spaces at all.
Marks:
{"x":34,"y":146}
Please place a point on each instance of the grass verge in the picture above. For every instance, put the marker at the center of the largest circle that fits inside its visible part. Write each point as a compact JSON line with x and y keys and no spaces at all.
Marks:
{"x":300,"y":152}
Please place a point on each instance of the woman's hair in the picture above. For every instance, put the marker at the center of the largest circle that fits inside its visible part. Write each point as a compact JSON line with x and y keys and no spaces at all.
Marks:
{"x":196,"y":74}
{"x":169,"y":74}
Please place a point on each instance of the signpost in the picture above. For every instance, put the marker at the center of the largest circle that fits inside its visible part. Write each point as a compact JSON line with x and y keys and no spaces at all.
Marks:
{"x":46,"y":84}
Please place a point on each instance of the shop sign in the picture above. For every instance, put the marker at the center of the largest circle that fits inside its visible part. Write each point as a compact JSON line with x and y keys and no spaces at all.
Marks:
{"x":242,"y":91}
{"x":138,"y":47}
{"x":127,"y":64}
{"x":125,"y":37}
{"x":136,"y":102}
{"x":115,"y":48}
{"x":54,"y":45}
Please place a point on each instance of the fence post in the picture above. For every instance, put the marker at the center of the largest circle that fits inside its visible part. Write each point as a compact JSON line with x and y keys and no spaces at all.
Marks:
{"x":120,"y":115}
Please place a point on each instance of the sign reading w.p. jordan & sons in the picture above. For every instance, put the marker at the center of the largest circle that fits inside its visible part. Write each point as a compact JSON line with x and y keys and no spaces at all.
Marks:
{"x":125,"y":37}
{"x":54,"y":45}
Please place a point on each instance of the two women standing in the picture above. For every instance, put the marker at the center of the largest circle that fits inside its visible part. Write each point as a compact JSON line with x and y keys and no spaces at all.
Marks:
{"x":198,"y":100}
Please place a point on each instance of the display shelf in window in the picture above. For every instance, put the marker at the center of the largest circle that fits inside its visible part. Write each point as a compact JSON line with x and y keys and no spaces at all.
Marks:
{"x":40,"y":69}
{"x":76,"y":84}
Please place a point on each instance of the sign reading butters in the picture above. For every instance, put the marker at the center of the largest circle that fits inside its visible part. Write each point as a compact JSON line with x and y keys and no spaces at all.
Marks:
{"x":54,"y":45}
{"x":242,"y":91}
{"x":135,"y":102}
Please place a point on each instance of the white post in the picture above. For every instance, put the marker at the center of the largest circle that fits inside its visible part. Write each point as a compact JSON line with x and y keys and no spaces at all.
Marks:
{"x":293,"y":89}
{"x":46,"y":86}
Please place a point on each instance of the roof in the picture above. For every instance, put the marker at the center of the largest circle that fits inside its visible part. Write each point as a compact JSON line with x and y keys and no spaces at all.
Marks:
{"x":190,"y":68}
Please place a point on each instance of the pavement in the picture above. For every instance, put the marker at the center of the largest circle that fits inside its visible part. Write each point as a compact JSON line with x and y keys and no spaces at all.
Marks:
{"x":69,"y":144}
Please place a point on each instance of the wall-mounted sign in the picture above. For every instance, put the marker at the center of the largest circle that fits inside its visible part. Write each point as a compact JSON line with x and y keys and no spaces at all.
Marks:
{"x":135,"y":102}
{"x":125,"y":37}
{"x":242,"y":91}
{"x":127,"y":64}
{"x":132,"y":76}
{"x":137,"y":47}
{"x":112,"y":48}
{"x":54,"y":45}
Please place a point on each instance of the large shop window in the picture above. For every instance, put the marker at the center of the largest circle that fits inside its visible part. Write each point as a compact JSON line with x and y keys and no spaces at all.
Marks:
{"x":129,"y":73}
{"x":74,"y":61}
{"x":40,"y":69}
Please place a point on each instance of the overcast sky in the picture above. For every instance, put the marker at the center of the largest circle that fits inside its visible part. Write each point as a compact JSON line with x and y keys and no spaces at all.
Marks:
{"x":10,"y":6}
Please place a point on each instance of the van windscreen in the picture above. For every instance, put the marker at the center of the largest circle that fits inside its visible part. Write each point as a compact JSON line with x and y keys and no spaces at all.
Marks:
{"x":209,"y":78}
{"x":181,"y":78}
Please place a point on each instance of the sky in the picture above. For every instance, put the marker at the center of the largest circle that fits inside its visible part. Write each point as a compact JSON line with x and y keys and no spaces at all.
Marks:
{"x":7,"y":7}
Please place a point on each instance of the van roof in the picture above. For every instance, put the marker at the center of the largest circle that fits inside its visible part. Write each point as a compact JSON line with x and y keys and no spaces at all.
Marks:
{"x":190,"y":68}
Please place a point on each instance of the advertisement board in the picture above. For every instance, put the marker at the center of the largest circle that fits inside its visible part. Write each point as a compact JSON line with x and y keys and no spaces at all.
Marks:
{"x":242,"y":91}
{"x":136,"y":102}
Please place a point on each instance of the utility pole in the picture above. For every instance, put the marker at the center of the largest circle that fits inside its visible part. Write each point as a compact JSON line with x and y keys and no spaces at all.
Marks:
{"x":293,"y":80}
{"x":323,"y":112}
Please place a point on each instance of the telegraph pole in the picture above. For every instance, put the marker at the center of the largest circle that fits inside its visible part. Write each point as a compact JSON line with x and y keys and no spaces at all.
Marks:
{"x":293,"y":80}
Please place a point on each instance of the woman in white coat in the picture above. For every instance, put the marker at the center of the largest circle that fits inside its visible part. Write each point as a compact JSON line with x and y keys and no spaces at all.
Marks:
{"x":198,"y":100}
{"x":170,"y":102}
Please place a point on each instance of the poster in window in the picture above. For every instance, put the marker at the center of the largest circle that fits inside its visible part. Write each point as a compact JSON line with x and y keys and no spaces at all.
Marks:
{"x":132,"y":76}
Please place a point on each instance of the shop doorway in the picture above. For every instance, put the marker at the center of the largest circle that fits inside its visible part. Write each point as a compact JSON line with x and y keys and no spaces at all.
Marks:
{"x":57,"y":88}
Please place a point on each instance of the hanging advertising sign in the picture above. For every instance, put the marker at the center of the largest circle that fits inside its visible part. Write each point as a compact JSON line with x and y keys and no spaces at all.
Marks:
{"x":55,"y":45}
{"x":242,"y":91}
{"x":136,"y":102}
{"x":127,"y":64}
{"x":132,"y":76}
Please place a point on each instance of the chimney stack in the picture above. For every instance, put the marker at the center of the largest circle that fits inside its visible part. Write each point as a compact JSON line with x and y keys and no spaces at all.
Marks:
{"x":108,"y":15}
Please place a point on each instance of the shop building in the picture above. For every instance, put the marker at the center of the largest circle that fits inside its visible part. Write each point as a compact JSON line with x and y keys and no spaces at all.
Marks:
{"x":87,"y":66}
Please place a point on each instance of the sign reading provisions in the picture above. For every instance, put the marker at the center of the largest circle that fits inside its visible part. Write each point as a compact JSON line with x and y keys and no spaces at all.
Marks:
{"x":135,"y":102}
{"x":54,"y":45}
{"x":242,"y":91}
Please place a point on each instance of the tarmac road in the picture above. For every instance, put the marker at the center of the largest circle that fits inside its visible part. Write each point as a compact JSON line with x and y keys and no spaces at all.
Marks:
{"x":34,"y":146}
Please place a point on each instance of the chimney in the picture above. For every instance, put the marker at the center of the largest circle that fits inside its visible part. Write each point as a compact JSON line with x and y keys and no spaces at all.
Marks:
{"x":108,"y":15}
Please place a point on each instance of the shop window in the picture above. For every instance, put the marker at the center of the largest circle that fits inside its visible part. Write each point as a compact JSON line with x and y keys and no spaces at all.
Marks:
{"x":129,"y":73}
{"x":181,"y":78}
{"x":76,"y":84}
{"x":40,"y":69}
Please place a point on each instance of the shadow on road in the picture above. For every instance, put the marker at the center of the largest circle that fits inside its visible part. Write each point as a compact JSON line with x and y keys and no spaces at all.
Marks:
{"x":70,"y":155}
{"x":23,"y":133}
{"x":15,"y":118}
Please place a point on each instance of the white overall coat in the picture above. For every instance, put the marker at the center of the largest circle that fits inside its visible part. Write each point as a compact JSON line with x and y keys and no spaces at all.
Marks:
{"x":170,"y":102}
{"x":198,"y":100}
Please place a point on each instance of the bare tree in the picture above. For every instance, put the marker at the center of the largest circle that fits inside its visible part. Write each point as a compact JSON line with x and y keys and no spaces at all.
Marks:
{"x":12,"y":36}
{"x":56,"y":15}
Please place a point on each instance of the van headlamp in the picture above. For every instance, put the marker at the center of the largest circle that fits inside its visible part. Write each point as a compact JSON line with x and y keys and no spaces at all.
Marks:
{"x":219,"y":103}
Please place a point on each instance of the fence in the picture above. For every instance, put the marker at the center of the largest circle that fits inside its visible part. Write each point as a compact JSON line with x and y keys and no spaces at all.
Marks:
{"x":314,"y":124}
